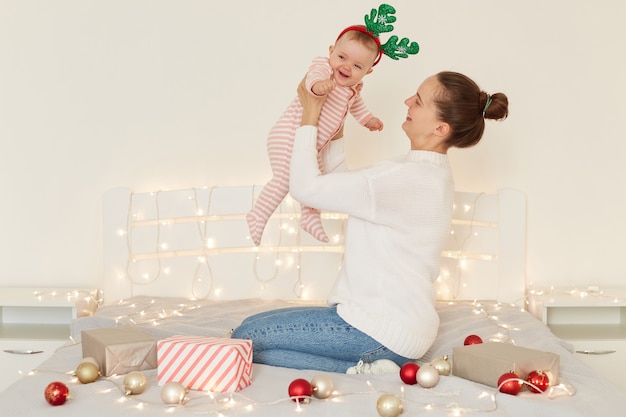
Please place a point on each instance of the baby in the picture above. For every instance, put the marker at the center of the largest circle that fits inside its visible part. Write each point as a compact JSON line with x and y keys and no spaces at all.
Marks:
{"x":340,"y":76}
{"x":355,"y":52}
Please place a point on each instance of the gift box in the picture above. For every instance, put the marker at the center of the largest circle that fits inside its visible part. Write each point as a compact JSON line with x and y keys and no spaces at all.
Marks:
{"x":120,"y":350}
{"x":205,"y":363}
{"x":486,"y":362}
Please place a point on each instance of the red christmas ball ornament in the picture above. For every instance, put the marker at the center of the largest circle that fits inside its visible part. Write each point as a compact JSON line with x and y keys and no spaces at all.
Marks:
{"x":300,"y":390}
{"x":408,"y":373}
{"x":539,"y":379}
{"x":472,"y":339}
{"x":56,"y":393}
{"x":509,"y":383}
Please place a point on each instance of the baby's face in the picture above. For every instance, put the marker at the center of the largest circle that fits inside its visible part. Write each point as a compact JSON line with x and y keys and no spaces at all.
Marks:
{"x":350,"y":61}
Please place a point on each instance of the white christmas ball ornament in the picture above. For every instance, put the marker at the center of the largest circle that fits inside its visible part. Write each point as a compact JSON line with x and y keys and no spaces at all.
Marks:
{"x":427,"y":376}
{"x":322,"y":386}
{"x":173,"y":393}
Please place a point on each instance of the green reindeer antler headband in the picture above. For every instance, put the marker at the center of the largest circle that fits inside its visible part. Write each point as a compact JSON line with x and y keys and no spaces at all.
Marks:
{"x":377,"y":22}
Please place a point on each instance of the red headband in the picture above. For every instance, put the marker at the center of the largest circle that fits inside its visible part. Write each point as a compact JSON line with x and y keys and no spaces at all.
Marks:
{"x":361,"y":28}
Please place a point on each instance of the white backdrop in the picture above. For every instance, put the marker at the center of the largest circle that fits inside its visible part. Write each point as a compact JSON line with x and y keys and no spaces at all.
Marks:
{"x":155,"y":94}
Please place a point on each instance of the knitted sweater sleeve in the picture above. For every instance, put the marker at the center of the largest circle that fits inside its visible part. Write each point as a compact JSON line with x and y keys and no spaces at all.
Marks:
{"x":386,"y":193}
{"x":346,"y":192}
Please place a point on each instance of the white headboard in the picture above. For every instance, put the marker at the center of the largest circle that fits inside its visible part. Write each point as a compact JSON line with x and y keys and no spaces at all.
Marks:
{"x":194,"y":243}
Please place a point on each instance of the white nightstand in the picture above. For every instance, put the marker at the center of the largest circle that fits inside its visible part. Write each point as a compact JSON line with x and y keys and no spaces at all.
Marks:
{"x":593,"y":320}
{"x":37,"y":320}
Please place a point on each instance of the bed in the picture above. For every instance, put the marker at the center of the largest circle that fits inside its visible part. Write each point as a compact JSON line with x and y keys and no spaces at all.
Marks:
{"x":180,"y":262}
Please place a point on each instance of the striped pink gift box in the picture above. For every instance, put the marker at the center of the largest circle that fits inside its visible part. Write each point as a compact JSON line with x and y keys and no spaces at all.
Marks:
{"x":205,"y":363}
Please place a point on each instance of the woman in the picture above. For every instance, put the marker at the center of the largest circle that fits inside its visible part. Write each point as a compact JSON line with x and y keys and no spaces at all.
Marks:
{"x":381,"y":312}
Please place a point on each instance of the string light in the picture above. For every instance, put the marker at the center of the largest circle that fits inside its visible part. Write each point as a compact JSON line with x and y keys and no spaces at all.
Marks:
{"x":268,"y":260}
{"x":277,"y":256}
{"x":455,"y":262}
{"x":414,"y":399}
{"x":85,"y":301}
{"x":202,"y":280}
{"x":237,"y":404}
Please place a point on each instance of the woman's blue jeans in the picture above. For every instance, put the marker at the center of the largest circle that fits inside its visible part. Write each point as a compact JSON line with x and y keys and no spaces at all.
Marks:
{"x":310,"y":338}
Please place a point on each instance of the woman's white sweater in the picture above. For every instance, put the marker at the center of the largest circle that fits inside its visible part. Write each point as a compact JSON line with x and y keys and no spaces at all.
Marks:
{"x":399,"y":217}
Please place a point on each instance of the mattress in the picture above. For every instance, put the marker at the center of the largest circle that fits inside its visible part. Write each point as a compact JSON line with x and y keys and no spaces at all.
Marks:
{"x":581,"y":392}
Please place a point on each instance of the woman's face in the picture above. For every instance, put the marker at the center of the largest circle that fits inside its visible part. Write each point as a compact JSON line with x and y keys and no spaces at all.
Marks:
{"x":421,"y":120}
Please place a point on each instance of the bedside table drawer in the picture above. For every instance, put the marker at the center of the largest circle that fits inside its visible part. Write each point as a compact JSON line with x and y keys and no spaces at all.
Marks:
{"x":608,"y":357}
{"x":14,"y":365}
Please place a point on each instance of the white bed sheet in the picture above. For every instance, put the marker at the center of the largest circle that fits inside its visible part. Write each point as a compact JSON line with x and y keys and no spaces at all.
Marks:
{"x":582,"y":391}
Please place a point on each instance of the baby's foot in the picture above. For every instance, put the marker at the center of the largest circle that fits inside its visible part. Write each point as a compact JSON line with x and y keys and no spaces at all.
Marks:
{"x":313,"y":225}
{"x":255,"y":229}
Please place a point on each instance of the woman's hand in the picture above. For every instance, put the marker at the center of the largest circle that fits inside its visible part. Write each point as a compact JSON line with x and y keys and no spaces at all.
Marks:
{"x":311,"y":105}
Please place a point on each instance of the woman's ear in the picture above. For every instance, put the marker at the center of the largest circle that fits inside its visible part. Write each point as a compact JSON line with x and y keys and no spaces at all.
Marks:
{"x":442,"y":129}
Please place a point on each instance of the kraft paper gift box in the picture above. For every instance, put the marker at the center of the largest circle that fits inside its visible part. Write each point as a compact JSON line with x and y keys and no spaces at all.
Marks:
{"x":120,"y":350}
{"x":486,"y":362}
{"x":205,"y":363}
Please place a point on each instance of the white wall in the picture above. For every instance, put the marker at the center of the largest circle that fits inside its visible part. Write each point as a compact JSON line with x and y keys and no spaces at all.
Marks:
{"x":156,"y":94}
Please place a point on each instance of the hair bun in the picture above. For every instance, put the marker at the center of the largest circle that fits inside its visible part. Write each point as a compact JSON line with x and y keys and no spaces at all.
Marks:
{"x":495,"y":107}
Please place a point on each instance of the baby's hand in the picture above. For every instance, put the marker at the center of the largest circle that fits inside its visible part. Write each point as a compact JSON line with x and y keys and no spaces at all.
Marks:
{"x":374,"y":124}
{"x":324,"y":87}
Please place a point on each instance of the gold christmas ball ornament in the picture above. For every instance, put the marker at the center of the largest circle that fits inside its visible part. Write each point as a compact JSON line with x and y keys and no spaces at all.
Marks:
{"x":173,"y":393}
{"x":442,"y":365}
{"x":322,"y":386}
{"x":389,"y":405}
{"x":135,"y":382}
{"x":427,"y":376}
{"x":87,"y":372}
{"x":92,"y":360}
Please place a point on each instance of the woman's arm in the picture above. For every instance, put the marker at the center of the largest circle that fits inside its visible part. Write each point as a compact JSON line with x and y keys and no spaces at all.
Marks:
{"x":345,"y":192}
